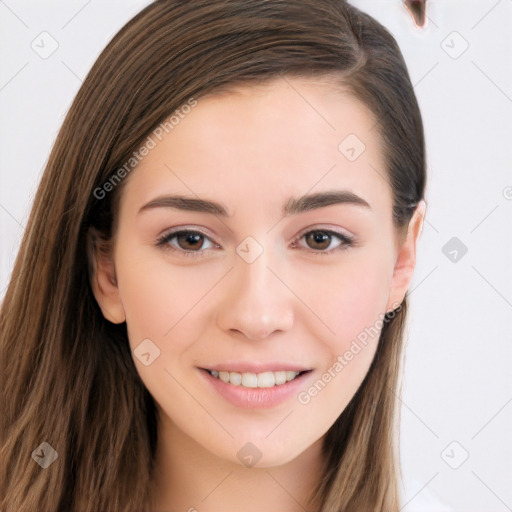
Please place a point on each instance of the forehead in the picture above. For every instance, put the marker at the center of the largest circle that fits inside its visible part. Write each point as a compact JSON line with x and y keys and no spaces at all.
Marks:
{"x":284,"y":137}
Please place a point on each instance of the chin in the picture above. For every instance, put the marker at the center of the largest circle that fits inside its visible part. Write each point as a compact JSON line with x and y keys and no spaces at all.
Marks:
{"x":264,"y":452}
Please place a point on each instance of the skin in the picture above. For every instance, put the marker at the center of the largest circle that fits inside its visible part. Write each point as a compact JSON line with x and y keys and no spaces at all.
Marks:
{"x":252,"y":150}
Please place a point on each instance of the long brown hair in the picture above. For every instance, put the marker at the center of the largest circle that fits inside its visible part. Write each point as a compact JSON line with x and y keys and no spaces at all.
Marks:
{"x":69,"y":378}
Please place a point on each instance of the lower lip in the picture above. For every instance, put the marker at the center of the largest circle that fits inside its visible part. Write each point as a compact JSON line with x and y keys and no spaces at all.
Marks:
{"x":260,"y":398}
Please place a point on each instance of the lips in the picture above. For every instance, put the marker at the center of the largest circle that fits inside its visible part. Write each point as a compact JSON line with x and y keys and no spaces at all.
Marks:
{"x":256,"y":386}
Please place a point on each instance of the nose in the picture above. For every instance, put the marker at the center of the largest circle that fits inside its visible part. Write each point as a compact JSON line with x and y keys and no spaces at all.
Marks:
{"x":257,"y":301}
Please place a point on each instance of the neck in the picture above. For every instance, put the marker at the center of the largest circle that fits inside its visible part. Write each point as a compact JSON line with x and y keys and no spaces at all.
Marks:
{"x":189,"y":478}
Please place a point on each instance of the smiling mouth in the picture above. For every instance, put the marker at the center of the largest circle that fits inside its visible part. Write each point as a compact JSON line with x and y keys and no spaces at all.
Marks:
{"x":256,"y":380}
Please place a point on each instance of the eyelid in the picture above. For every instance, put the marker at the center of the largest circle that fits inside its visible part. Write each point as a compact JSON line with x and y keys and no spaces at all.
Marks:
{"x":179,"y":229}
{"x":335,"y":230}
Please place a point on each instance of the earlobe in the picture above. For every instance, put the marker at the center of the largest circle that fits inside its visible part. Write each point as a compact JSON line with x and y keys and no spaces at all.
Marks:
{"x":103,"y":278}
{"x":406,"y":258}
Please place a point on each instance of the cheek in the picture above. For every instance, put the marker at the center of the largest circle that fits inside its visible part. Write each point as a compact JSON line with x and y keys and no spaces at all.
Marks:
{"x":353,"y":307}
{"x":348,"y":297}
{"x":160,"y":299}
{"x":164,"y":303}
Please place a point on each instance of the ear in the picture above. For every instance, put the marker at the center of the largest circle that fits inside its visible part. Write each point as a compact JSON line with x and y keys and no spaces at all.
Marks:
{"x":406,"y":258}
{"x":102,"y":277}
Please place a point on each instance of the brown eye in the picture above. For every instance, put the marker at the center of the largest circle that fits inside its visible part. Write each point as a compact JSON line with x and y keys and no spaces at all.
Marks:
{"x":186,"y":242}
{"x":189,"y":240}
{"x":318,"y":240}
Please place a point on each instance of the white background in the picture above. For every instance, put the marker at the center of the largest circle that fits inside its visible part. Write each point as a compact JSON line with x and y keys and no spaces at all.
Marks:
{"x":457,"y":396}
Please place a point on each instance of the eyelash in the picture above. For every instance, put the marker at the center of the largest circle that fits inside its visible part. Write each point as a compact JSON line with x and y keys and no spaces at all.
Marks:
{"x":164,"y":240}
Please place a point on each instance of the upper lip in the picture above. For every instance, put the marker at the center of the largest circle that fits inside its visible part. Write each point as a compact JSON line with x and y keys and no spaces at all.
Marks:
{"x":253,"y":367}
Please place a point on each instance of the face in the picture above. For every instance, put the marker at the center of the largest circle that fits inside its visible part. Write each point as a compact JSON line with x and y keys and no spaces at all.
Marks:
{"x":262,"y":286}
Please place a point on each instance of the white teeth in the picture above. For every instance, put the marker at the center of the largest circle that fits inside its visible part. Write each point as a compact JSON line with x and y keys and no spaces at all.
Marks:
{"x":235,"y":378}
{"x":280,"y":377}
{"x":291,"y":375}
{"x":249,"y":380}
{"x":266,"y":380}
{"x":255,"y":380}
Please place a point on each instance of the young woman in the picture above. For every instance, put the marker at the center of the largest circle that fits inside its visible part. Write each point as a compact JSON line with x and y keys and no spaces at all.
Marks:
{"x":207,"y":309}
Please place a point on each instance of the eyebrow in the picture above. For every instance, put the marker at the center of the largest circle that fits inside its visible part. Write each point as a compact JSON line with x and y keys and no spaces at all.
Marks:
{"x":293,"y":206}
